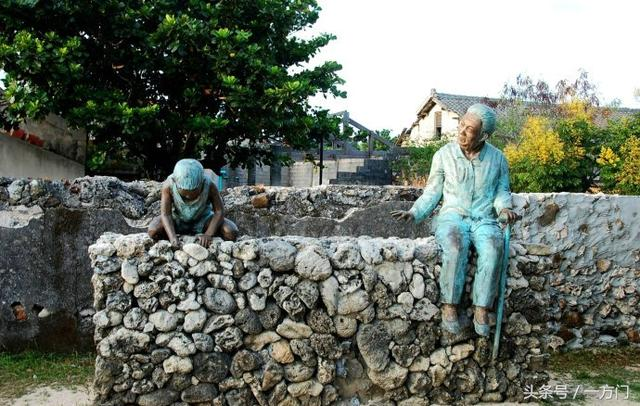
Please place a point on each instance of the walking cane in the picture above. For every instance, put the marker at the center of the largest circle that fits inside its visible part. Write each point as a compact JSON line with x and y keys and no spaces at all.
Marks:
{"x":503,"y":288}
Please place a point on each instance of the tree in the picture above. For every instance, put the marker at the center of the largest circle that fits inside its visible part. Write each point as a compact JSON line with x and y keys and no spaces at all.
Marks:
{"x":543,"y":98}
{"x":361,"y":140}
{"x":552,"y":135}
{"x":619,"y":158}
{"x":556,"y":155}
{"x":155,"y":81}
{"x":528,"y":97}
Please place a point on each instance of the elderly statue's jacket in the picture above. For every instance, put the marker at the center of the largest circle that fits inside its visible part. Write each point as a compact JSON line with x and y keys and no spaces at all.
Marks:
{"x":473,"y":193}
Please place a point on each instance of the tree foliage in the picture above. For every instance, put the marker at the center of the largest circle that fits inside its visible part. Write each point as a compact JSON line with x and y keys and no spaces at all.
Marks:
{"x":154,"y":81}
{"x":361,"y":138}
{"x":528,"y":97}
{"x":554,"y":155}
{"x":413,"y":168}
{"x":542,"y":97}
{"x":619,"y":157}
{"x":554,"y":135}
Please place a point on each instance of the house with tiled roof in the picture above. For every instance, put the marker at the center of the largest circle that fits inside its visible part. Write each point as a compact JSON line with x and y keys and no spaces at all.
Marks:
{"x":439,"y":115}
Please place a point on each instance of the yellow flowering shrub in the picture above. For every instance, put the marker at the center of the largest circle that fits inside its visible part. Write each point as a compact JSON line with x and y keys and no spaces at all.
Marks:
{"x":619,"y":157}
{"x":561,"y":139}
{"x":542,"y":161}
{"x":607,"y":157}
{"x":620,"y":173}
{"x":538,"y":142}
{"x":629,"y":175}
{"x":578,"y":110}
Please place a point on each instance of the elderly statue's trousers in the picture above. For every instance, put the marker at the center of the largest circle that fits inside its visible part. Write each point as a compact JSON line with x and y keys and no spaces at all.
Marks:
{"x":454,"y":234}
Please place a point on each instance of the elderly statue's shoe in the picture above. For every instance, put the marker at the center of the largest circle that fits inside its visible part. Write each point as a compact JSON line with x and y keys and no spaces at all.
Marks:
{"x":451,"y":326}
{"x":482,"y":329}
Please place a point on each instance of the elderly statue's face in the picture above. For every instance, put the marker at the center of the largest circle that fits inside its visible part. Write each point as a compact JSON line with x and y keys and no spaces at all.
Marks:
{"x":469,"y":137}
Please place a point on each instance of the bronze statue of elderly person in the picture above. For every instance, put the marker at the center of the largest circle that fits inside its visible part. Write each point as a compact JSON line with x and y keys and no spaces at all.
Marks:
{"x":471,"y":177}
{"x":191,"y":204}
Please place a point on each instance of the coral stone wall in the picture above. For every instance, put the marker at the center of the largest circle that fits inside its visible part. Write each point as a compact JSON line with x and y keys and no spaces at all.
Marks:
{"x":593,"y":242}
{"x":300,"y":321}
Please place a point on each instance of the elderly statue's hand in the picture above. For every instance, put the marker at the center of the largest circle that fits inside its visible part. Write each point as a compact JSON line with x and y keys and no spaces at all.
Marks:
{"x":402,"y":215}
{"x":508,"y":216}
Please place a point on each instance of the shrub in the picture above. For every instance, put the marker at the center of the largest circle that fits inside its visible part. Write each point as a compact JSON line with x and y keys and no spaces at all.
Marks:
{"x":618,"y":158}
{"x":555,"y":155}
{"x":413,"y":169}
{"x":540,"y":162}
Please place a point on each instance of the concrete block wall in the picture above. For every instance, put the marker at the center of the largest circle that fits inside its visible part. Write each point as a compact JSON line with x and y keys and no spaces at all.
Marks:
{"x":23,"y":160}
{"x":300,"y":174}
{"x":59,"y":137}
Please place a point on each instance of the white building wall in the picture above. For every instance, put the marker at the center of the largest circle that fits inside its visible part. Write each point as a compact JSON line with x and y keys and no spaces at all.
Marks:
{"x":18,"y":159}
{"x":425,"y":130}
{"x":450,"y":122}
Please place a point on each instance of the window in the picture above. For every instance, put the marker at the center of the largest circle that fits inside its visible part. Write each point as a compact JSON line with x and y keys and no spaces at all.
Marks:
{"x":437,"y":130}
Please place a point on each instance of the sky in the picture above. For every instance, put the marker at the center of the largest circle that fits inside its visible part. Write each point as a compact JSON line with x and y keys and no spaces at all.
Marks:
{"x":394,"y":52}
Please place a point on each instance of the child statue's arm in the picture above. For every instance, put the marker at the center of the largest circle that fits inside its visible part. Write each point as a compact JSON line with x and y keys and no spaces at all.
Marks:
{"x":218,"y":210}
{"x":165,"y":216}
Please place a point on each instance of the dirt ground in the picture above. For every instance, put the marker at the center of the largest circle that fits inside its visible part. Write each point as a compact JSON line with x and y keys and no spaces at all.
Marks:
{"x":52,"y":396}
{"x":81,"y":396}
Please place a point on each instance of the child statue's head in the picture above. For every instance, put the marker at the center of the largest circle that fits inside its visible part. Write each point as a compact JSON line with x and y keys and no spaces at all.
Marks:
{"x":188,"y":175}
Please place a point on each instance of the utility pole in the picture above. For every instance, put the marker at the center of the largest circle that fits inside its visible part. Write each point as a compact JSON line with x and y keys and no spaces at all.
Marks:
{"x":321,"y":157}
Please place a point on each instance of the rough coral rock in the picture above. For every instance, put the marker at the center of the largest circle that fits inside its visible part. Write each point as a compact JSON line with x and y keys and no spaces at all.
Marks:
{"x":246,"y":326}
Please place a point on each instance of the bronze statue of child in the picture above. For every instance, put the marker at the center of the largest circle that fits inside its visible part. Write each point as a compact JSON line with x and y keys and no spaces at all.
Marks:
{"x":191,"y":204}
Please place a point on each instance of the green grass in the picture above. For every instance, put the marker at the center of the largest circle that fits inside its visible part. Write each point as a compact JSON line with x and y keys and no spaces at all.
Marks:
{"x":594,"y":368}
{"x":590,"y":368}
{"x":19,"y":372}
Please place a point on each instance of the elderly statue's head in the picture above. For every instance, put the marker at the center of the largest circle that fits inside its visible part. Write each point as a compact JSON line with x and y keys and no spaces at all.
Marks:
{"x":475,"y":126}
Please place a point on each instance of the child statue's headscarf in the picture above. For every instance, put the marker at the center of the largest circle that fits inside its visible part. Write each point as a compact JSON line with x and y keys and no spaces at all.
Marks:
{"x":188,"y":174}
